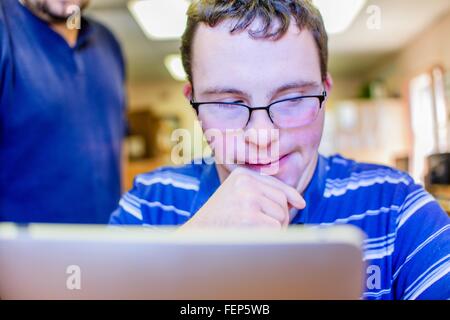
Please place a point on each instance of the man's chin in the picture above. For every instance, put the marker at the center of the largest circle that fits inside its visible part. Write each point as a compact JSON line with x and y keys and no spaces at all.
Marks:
{"x":56,"y":17}
{"x":50,"y":15}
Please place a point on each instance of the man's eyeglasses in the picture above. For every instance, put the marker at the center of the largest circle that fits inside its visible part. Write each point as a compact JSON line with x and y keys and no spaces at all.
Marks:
{"x":287,"y":113}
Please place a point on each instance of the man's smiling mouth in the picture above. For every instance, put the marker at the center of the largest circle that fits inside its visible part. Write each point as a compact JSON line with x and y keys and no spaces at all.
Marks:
{"x":264,"y":164}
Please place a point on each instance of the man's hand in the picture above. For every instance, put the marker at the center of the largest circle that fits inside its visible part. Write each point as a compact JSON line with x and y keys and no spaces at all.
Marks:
{"x":246,"y":198}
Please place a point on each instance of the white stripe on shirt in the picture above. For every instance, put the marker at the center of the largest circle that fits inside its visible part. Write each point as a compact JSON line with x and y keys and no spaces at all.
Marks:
{"x":370,"y":240}
{"x":420,"y":247}
{"x":430,"y":278}
{"x":416,"y":206}
{"x":413,"y":196}
{"x":381,"y":244}
{"x":158,"y":204}
{"x":356,"y":176}
{"x":169,"y":178}
{"x":361,"y":216}
{"x":129,"y":208}
{"x":378,"y":293}
{"x":378,"y":253}
{"x":329,"y":192}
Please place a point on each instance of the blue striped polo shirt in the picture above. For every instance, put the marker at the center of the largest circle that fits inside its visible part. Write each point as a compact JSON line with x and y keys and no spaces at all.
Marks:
{"x":407,"y":248}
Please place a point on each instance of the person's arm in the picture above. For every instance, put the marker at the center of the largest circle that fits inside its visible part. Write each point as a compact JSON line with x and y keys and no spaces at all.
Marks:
{"x":422,"y":249}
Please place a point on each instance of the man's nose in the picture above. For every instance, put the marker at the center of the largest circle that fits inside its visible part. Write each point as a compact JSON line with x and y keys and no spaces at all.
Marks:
{"x":260,"y":130}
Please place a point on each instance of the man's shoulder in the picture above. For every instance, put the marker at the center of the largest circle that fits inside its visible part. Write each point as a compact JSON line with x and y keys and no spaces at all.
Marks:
{"x":106,"y":37}
{"x":342,"y":167}
{"x":101,"y":30}
{"x":346,"y":177}
{"x":184,"y":178}
{"x":347,"y":170}
{"x":162,"y":196}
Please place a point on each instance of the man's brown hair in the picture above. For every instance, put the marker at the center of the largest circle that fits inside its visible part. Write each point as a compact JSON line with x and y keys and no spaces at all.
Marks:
{"x":275,"y":15}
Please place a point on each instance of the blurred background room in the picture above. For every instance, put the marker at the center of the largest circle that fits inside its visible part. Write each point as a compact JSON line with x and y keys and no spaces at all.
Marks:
{"x":390,"y":60}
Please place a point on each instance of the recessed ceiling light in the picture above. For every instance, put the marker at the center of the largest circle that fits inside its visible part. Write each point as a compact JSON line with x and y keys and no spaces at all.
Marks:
{"x":175,"y":67}
{"x":160,"y":19}
{"x":166,"y":19}
{"x":338,"y":15}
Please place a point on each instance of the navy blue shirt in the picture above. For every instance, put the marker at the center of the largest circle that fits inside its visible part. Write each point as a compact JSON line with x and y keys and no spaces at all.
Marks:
{"x":61,"y":120}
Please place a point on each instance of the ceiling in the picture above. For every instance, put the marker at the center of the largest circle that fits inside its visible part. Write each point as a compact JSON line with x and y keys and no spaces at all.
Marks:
{"x":351,"y":53}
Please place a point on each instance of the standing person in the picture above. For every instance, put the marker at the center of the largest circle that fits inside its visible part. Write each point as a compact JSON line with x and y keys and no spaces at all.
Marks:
{"x":62,"y":107}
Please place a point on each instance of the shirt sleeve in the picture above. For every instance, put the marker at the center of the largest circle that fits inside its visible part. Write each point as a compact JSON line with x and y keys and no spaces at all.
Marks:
{"x":421,"y":264}
{"x":129,"y":211}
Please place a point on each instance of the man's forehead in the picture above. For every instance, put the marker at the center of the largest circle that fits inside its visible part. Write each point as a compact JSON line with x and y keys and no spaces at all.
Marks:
{"x":220,"y":57}
{"x":220,"y":40}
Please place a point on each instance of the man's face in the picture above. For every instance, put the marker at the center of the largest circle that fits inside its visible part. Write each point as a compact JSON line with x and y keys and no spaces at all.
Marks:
{"x":55,"y":10}
{"x":235,"y":67}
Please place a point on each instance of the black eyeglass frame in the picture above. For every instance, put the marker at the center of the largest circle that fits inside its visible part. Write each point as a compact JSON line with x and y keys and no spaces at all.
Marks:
{"x":321,"y":98}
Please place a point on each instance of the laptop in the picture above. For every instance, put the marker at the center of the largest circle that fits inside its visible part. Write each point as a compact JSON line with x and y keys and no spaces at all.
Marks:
{"x":101,"y":262}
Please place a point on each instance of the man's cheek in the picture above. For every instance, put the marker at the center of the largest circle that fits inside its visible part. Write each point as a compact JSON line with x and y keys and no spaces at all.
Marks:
{"x":291,"y":171}
{"x":228,"y":147}
{"x":305,"y":139}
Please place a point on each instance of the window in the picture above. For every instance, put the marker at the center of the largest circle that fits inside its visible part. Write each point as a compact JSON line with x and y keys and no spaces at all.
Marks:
{"x":429,"y":119}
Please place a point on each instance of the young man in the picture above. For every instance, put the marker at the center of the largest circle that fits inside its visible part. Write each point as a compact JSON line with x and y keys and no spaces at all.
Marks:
{"x":274,"y":53}
{"x":62,"y":106}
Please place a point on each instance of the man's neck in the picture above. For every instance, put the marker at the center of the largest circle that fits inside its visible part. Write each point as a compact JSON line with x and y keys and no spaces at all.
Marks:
{"x":306,"y":178}
{"x":70,"y":35}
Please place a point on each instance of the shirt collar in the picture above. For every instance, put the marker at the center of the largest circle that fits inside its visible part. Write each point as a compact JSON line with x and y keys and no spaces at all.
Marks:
{"x":86,"y":33}
{"x":313,"y":194}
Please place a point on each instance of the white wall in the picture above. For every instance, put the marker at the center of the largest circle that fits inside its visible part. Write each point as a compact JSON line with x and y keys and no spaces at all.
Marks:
{"x":429,"y":48}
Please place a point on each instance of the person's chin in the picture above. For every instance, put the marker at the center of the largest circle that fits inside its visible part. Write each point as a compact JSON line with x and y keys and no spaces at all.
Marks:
{"x":289,"y":171}
{"x":60,"y":13}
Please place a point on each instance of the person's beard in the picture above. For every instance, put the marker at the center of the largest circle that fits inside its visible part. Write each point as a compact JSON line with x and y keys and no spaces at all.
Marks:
{"x":42,"y":10}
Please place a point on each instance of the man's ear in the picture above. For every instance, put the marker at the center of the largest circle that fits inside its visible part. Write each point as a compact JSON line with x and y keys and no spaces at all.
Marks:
{"x":328,"y":84}
{"x":187,"y":91}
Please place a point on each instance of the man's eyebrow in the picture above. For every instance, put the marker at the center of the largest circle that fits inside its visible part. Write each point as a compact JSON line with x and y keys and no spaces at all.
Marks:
{"x":288,"y":86}
{"x":224,"y":90}
{"x":294,"y":85}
